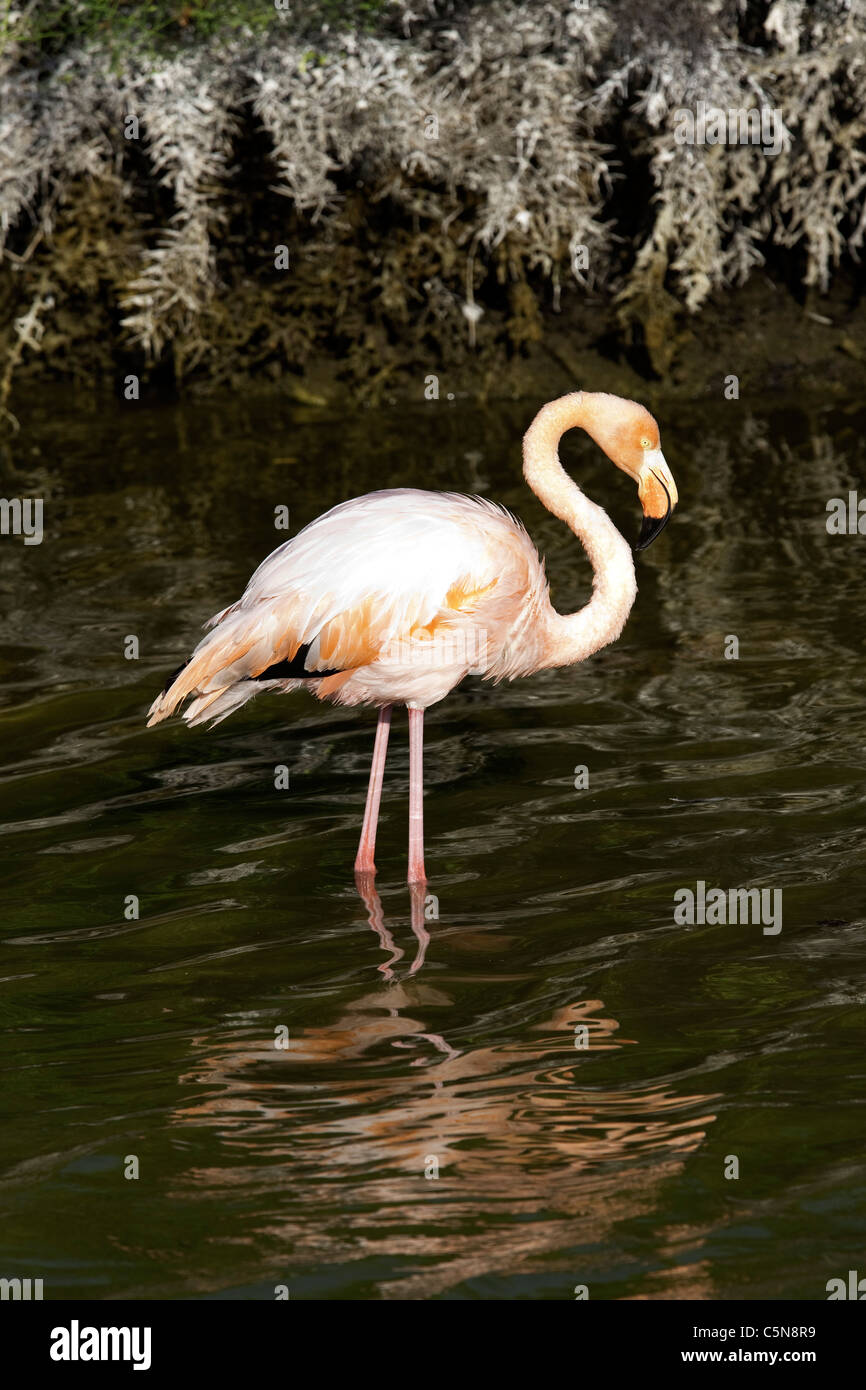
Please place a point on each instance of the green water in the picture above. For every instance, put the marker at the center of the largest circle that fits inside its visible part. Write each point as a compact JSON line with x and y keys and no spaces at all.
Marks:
{"x":558,"y":1165}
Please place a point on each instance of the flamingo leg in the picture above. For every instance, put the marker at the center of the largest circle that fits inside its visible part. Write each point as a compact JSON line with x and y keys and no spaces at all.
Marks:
{"x":416,"y":796}
{"x":364,"y":863}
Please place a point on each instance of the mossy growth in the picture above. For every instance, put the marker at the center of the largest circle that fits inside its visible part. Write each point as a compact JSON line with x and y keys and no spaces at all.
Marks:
{"x":49,"y":28}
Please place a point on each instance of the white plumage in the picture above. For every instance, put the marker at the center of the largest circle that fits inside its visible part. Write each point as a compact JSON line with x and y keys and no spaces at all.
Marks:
{"x":401,"y":591}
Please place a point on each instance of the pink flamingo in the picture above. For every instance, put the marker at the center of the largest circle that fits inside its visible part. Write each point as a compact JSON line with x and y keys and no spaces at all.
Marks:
{"x":395,"y":596}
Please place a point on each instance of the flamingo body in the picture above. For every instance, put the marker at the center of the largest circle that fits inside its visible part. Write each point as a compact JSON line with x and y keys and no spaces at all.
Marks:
{"x":393,"y":597}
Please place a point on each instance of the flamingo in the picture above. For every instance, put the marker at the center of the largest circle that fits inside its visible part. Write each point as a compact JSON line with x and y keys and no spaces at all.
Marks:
{"x":393,"y":597}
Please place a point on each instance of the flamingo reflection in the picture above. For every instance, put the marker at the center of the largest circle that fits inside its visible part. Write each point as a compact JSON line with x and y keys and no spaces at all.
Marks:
{"x":325,"y":1147}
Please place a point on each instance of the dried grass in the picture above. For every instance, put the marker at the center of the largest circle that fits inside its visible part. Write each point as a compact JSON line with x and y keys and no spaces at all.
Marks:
{"x":538,"y":106}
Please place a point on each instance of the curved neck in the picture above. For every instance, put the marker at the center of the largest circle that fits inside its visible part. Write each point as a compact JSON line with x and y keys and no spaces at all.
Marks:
{"x":572,"y":637}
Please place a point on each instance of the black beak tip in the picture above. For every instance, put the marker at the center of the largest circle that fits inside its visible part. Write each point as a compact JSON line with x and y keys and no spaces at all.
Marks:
{"x":651,"y":527}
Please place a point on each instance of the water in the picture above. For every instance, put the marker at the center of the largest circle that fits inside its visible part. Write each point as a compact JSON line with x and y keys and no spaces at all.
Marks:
{"x":154,"y":1039}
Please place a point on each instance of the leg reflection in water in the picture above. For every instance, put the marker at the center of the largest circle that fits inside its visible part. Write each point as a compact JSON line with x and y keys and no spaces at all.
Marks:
{"x":366,"y":886}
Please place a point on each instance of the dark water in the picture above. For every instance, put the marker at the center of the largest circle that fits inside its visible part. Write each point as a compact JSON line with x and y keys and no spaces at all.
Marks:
{"x":558,"y":1165}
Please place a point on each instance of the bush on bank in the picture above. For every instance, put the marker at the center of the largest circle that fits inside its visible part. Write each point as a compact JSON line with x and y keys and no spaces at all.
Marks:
{"x":443,"y":176}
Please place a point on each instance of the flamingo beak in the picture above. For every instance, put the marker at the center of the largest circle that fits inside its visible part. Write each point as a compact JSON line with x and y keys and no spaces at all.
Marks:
{"x":658,"y":497}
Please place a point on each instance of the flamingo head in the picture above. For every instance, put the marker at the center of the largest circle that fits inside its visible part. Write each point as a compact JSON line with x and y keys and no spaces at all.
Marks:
{"x":629,"y":436}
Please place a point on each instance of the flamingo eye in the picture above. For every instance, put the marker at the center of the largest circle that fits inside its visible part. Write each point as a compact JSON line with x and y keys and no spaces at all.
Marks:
{"x":646,"y":443}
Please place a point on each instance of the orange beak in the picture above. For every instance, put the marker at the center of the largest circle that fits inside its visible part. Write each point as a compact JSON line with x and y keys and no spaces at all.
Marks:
{"x":658,"y":497}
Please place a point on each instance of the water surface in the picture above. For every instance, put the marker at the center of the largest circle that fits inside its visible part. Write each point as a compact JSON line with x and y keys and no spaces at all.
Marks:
{"x":418,"y":1042}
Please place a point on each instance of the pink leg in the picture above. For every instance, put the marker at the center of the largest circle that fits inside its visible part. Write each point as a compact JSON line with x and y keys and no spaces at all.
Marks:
{"x":416,"y":796}
{"x":364,"y":859}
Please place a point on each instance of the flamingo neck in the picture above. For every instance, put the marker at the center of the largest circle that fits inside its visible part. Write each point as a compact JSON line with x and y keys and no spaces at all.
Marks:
{"x":573,"y":637}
